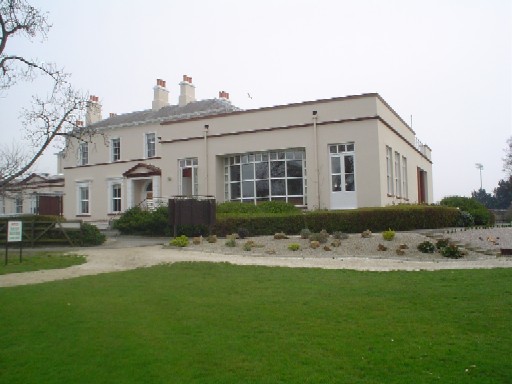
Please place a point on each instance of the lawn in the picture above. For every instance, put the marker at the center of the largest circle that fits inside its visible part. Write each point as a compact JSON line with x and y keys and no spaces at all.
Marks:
{"x":219,"y":323}
{"x":37,"y":260}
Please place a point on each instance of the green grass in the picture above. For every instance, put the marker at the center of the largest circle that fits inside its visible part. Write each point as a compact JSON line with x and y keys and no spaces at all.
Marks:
{"x":218,"y":323}
{"x":35,"y":261}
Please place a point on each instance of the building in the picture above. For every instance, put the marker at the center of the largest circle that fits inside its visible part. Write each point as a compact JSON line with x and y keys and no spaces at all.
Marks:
{"x":338,"y":153}
{"x":38,"y":193}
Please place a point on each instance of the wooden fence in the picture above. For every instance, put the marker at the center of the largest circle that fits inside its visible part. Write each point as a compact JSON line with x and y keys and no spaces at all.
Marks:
{"x":35,"y":233}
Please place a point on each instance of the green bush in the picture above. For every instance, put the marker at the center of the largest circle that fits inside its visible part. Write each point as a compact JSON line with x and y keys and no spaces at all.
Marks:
{"x":294,"y":247}
{"x":180,"y":241}
{"x":136,"y":221}
{"x":264,"y":207}
{"x":321,"y":237}
{"x":304,"y":233}
{"x":480,"y":214}
{"x":441,"y":243}
{"x":388,"y":235}
{"x":338,"y":235}
{"x":426,"y":247}
{"x":465,"y":219}
{"x":231,"y":242}
{"x":451,"y":251}
{"x":243,"y":233}
{"x":90,"y":235}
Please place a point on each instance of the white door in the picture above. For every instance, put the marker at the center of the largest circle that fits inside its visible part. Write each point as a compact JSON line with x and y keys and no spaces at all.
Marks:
{"x":343,"y":182}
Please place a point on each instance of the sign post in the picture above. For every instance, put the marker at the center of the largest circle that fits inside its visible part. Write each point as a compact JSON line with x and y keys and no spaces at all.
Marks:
{"x":14,"y":234}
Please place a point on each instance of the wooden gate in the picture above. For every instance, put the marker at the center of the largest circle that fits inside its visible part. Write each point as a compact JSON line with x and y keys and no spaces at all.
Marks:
{"x":49,"y":205}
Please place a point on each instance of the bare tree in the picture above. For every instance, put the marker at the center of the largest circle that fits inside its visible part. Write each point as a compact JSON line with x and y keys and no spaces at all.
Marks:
{"x":48,"y":118}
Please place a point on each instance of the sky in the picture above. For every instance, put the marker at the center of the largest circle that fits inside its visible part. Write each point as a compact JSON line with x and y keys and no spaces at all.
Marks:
{"x":444,"y":64}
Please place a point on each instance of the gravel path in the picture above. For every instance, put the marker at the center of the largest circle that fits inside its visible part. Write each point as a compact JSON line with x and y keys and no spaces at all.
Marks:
{"x":354,"y":253}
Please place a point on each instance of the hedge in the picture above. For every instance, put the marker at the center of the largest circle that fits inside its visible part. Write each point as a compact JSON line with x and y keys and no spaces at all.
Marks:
{"x":398,"y":218}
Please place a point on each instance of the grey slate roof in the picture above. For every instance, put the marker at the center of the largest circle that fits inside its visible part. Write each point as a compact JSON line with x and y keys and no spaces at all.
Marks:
{"x":200,"y":108}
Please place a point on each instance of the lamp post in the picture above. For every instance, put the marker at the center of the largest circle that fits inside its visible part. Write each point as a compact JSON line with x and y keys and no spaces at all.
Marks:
{"x":480,"y":166}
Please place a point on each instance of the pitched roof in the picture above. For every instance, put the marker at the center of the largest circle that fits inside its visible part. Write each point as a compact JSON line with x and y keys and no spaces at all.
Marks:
{"x":193,"y":109}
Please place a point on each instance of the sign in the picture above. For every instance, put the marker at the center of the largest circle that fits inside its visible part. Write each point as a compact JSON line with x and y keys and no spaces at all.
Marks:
{"x":14,"y":231}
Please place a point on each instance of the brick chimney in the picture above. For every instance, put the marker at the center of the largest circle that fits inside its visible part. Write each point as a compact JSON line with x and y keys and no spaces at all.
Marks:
{"x":161,"y":95}
{"x":223,"y":95}
{"x":187,"y":91}
{"x":93,"y":112}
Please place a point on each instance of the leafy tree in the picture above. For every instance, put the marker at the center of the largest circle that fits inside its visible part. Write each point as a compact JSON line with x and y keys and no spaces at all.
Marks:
{"x":507,"y":161}
{"x":49,"y":117}
{"x":503,"y":194}
{"x":485,"y":198}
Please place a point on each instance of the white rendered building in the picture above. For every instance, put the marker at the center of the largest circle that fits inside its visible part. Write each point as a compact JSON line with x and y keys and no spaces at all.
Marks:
{"x":339,"y":153}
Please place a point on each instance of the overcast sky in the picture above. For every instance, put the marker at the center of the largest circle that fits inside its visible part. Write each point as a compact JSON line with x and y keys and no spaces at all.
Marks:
{"x":447,"y":63}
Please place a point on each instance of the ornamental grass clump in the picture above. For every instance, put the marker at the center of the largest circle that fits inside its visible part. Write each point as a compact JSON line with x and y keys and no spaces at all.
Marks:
{"x":180,"y":241}
{"x":304,"y":233}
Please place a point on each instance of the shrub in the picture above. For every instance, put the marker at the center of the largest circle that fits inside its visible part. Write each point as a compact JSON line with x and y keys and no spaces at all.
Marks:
{"x":180,"y":241}
{"x":136,"y":221}
{"x":212,"y":239}
{"x":388,"y":235}
{"x":294,"y":247}
{"x":465,"y":219}
{"x":441,"y":243}
{"x":481,"y":215}
{"x":305,"y":233}
{"x":91,"y":235}
{"x":321,"y":237}
{"x":451,"y":251}
{"x":248,"y":246}
{"x":340,"y":235}
{"x":426,"y":247}
{"x":264,"y":207}
{"x":280,"y":236}
{"x":366,"y":234}
{"x":231,"y":242}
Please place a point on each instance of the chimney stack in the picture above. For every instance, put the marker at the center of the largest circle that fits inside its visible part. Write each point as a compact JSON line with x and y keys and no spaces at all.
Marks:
{"x":187,"y":91}
{"x":223,"y":95}
{"x":93,"y":112}
{"x":161,"y":95}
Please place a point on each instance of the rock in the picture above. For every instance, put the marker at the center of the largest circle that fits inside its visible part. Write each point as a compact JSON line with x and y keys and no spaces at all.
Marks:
{"x":382,"y":247}
{"x":314,"y":244}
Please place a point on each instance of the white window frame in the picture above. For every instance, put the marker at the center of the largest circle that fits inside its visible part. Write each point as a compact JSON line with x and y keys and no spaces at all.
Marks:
{"x":192,"y":163}
{"x":115,"y":155}
{"x":79,"y":206}
{"x":18,"y":204}
{"x":405,"y":186}
{"x":398,"y":178}
{"x":147,"y":142}
{"x":111,"y":184}
{"x":33,"y":204}
{"x":389,"y":170}
{"x":83,"y":153}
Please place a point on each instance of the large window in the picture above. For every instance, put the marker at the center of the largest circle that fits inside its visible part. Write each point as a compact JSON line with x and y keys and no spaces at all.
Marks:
{"x":116,"y":198}
{"x":389,"y":170}
{"x":405,"y":186}
{"x":83,"y":206}
{"x":342,"y":167}
{"x":115,"y":149}
{"x":18,"y":204}
{"x":83,"y":154}
{"x":264,"y":176}
{"x":398,"y":178}
{"x":150,"y":145}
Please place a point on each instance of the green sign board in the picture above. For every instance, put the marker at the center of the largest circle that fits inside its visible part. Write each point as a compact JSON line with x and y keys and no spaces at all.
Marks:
{"x":14,"y":231}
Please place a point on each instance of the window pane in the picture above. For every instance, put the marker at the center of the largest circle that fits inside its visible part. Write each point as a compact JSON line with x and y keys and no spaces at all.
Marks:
{"x":333,"y":148}
{"x":294,"y":168}
{"x":350,"y":147}
{"x":335,"y":164}
{"x":261,"y":170}
{"x":235,"y":191}
{"x":247,"y":172}
{"x":349,"y":183}
{"x":277,"y":168}
{"x":295,"y":187}
{"x":248,"y":188}
{"x":234,"y":172}
{"x":278,"y":187}
{"x":349,"y":164}
{"x":336,"y":183}
{"x":262,"y":188}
